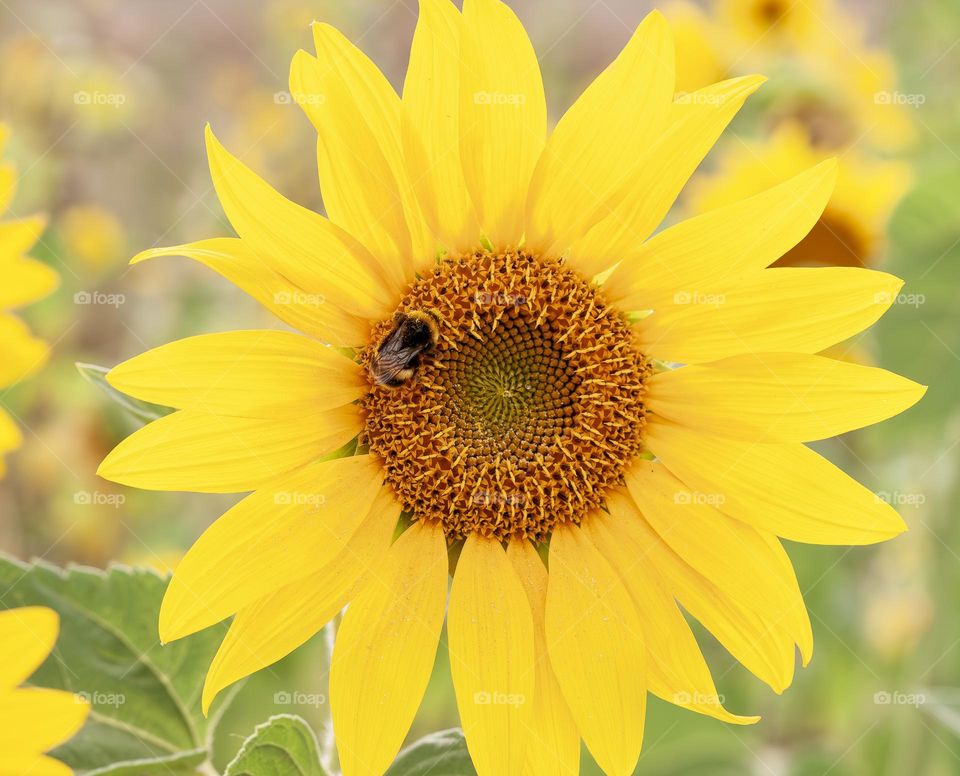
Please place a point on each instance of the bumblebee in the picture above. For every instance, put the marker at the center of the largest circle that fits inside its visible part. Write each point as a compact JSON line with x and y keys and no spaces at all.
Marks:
{"x":397,"y":358}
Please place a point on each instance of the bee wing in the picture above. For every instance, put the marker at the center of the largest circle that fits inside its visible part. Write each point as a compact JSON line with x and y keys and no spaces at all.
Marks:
{"x":393,"y":360}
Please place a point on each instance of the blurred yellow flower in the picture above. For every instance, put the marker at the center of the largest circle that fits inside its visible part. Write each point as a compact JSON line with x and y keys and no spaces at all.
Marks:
{"x":701,"y":56}
{"x":881,"y":113}
{"x":31,"y":83}
{"x":852,"y":229}
{"x":32,"y":720}
{"x":103,"y":100}
{"x":842,"y":90}
{"x":846,"y":95}
{"x":24,"y":281}
{"x":92,"y":235}
{"x":781,"y":26}
{"x":52,"y":89}
{"x":899,"y":607}
{"x":504,"y":403}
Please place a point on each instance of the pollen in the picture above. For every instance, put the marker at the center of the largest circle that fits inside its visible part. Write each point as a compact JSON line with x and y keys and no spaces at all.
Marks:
{"x":525,"y":412}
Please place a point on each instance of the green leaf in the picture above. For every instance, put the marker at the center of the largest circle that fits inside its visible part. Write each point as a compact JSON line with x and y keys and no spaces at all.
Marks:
{"x":284,"y":745}
{"x":440,"y":754}
{"x":141,"y":410}
{"x":926,"y":221}
{"x":145,"y":698}
{"x":920,"y":335}
{"x":183,"y":764}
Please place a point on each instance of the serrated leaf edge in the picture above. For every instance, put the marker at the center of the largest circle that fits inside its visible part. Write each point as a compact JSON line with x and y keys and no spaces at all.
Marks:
{"x":250,"y":741}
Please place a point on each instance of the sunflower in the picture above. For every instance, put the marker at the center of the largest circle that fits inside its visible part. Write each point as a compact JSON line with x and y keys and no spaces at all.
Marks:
{"x":580,"y":428}
{"x":770,"y":25}
{"x":830,"y":79}
{"x":851,"y":230}
{"x":24,"y":280}
{"x":845,"y":93}
{"x":32,"y":720}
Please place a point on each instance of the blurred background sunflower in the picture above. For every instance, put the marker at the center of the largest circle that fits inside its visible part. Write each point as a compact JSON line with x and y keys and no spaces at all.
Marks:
{"x":109,"y":100}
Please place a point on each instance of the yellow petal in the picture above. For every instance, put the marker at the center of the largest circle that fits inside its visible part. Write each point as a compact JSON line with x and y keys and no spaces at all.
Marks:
{"x":677,"y":671}
{"x":490,"y":632}
{"x":693,"y":127}
{"x":296,"y":242}
{"x":795,"y":610}
{"x":597,"y":650}
{"x":789,"y":309}
{"x":593,"y":151}
{"x":204,"y":453}
{"x":253,"y":374}
{"x":376,"y":100}
{"x":503,"y":117}
{"x":302,"y":309}
{"x":38,"y":719}
{"x":723,"y":244}
{"x":23,"y":354}
{"x":764,"y":648}
{"x":27,"y":636}
{"x":363,"y":175}
{"x":20,"y":235}
{"x":272,"y":538}
{"x":10,"y":438}
{"x":271,"y":628}
{"x":25,"y":281}
{"x":8,"y":184}
{"x":432,"y":85}
{"x":732,"y":555}
{"x":385,"y":650}
{"x":787,"y":489}
{"x":553,"y":744}
{"x":34,"y":765}
{"x":779,"y":397}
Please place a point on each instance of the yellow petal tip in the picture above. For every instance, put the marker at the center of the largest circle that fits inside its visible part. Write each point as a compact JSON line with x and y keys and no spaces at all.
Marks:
{"x":301,"y":54}
{"x":207,"y":701}
{"x":322,"y":28}
{"x":168,"y":635}
{"x":111,"y":378}
{"x":656,"y":15}
{"x":166,"y":626}
{"x":104,"y":469}
{"x":831,"y":169}
{"x":735,"y":719}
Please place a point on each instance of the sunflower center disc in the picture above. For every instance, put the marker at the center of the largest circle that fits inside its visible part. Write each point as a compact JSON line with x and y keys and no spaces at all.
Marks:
{"x":529,"y":407}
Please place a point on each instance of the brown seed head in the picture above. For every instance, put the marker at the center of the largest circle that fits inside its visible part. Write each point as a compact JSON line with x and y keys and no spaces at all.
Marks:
{"x":528,"y":409}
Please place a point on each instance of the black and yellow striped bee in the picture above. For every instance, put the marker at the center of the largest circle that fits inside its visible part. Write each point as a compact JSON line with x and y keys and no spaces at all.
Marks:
{"x":397,"y":358}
